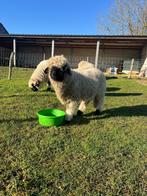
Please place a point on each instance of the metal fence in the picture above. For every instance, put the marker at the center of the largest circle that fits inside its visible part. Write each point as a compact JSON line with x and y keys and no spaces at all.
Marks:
{"x":27,"y":62}
{"x":4,"y":56}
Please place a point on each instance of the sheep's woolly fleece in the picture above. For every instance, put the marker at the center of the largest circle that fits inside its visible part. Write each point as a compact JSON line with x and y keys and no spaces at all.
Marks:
{"x":85,"y":65}
{"x":39,"y":74}
{"x":79,"y":87}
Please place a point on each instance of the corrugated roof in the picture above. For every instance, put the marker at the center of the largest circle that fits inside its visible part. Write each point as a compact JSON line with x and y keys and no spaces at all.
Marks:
{"x":78,"y":36}
{"x":83,"y":41}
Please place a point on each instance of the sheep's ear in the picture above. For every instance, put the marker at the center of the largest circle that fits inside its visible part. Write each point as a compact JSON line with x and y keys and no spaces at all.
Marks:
{"x":68,"y":70}
{"x":46,"y":71}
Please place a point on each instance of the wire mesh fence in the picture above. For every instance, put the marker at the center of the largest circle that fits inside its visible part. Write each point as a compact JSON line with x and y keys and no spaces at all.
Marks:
{"x":4,"y":62}
{"x":74,"y":60}
{"x":27,"y":62}
{"x":4,"y":56}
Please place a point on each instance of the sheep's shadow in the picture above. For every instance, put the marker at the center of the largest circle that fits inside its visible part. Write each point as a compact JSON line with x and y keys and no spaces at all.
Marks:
{"x":77,"y":120}
{"x":123,"y":94}
{"x":128,"y":111}
{"x":112,"y":89}
{"x":25,"y":95}
{"x":111,"y":77}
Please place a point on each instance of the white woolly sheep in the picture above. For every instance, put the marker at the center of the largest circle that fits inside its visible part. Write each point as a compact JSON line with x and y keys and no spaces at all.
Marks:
{"x":85,"y":65}
{"x":39,"y":76}
{"x":75,"y":88}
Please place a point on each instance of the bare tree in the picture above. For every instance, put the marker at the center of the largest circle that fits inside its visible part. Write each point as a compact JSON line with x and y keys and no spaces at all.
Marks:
{"x":127,"y":17}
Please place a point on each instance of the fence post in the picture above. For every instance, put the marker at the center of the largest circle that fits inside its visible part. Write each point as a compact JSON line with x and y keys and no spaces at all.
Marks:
{"x":53,"y":48}
{"x":97,"y":53}
{"x":131,"y":69}
{"x":44,"y":56}
{"x":10,"y":66}
{"x":14,"y":51}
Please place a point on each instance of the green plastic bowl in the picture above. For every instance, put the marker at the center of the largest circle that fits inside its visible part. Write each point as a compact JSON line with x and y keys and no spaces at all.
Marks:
{"x":51,"y":117}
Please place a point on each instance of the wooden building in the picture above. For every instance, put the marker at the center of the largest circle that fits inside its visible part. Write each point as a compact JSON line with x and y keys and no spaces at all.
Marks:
{"x":111,"y":50}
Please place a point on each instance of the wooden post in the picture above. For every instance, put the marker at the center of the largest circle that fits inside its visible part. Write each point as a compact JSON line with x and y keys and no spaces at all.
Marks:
{"x":10,"y":65}
{"x":53,"y":48}
{"x":14,"y":52}
{"x":131,"y":69}
{"x":44,"y":56}
{"x":97,"y":53}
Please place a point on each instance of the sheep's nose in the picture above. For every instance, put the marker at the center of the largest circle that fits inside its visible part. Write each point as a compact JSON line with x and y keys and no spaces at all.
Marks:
{"x":34,"y":88}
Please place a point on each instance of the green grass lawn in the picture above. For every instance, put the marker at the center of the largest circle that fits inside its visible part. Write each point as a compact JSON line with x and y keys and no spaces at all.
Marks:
{"x":94,"y":155}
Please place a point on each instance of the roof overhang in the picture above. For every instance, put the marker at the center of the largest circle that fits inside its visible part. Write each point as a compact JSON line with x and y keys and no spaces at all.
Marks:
{"x":77,"y":41}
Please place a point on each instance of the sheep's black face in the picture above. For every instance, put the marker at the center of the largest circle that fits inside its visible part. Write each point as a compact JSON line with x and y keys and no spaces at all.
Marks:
{"x":35,"y":87}
{"x":58,"y":74}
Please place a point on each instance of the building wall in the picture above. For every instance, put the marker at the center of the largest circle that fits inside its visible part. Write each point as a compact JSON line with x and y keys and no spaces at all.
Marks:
{"x":106,"y":56}
{"x":121,"y":53}
{"x":29,"y":49}
{"x":103,"y":53}
{"x":144,"y":53}
{"x":120,"y":58}
{"x":75,"y":55}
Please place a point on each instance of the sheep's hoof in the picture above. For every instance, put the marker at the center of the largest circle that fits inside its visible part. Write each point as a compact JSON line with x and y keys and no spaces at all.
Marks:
{"x":66,"y":122}
{"x":97,"y":112}
{"x":79,"y":113}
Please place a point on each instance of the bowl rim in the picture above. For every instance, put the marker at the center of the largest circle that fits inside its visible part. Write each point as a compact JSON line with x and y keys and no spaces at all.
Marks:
{"x":44,"y":116}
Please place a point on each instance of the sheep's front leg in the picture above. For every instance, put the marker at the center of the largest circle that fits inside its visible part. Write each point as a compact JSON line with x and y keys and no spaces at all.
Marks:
{"x":71,"y":109}
{"x":82,"y":108}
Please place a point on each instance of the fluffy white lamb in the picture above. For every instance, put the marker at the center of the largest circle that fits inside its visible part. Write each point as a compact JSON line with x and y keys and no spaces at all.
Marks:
{"x":76,"y":88}
{"x":39,"y":76}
